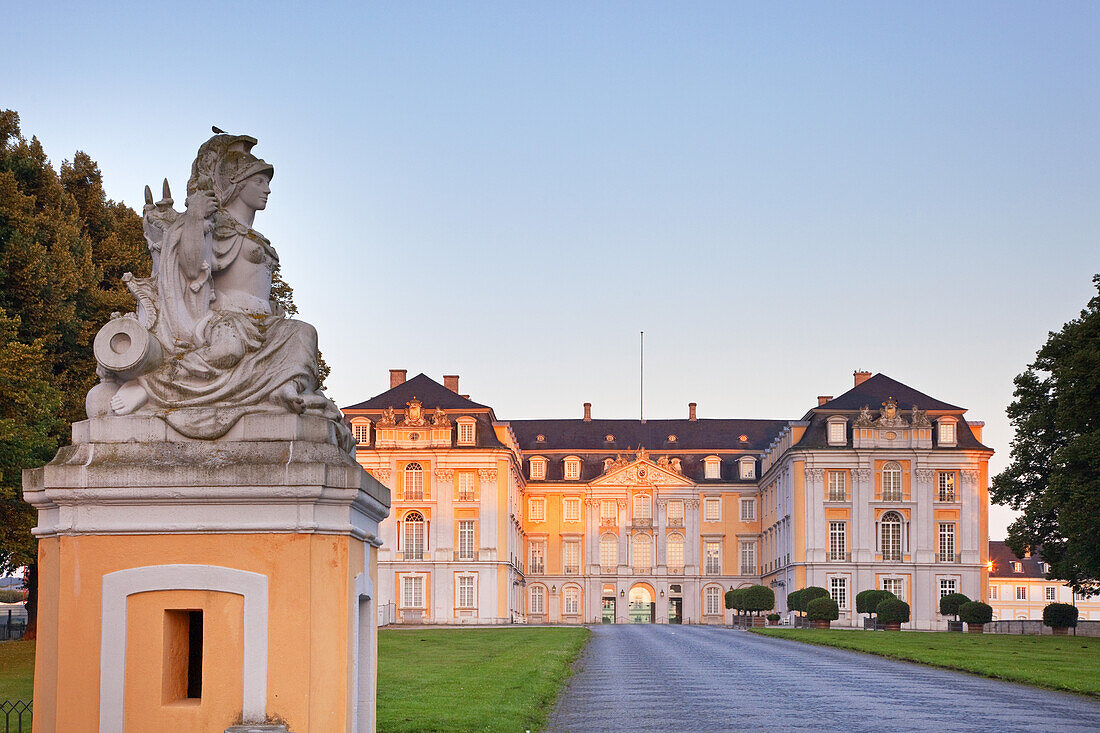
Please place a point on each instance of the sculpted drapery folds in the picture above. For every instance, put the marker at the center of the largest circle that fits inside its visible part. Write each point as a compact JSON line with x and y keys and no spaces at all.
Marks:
{"x":207,"y":344}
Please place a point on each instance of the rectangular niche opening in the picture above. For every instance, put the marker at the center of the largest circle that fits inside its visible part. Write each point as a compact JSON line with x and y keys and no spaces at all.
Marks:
{"x":183,"y":637}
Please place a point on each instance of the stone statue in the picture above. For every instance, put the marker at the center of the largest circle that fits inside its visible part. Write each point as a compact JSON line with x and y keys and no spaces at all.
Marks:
{"x":414,"y":415}
{"x":440,"y":419}
{"x":865,"y":419}
{"x":889,"y":416}
{"x":920,"y":418}
{"x":207,"y":344}
{"x":388,"y":418}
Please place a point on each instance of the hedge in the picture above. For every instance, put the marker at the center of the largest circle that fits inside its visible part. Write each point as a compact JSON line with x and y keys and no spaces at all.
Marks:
{"x":976,"y":613}
{"x":950,"y":603}
{"x":11,"y":596}
{"x":1060,"y":615}
{"x":822,"y":609}
{"x":892,"y":611}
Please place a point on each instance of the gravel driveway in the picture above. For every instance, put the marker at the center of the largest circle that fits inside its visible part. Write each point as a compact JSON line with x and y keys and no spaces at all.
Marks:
{"x":699,"y":678}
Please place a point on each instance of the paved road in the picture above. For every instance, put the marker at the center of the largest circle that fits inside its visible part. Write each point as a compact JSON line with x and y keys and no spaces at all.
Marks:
{"x":701,"y":679}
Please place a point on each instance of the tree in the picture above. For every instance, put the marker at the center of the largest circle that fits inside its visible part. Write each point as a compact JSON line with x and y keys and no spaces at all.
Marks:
{"x":822,"y":608}
{"x":867,"y":600}
{"x":1060,"y":615}
{"x":976,"y":613}
{"x":892,"y":610}
{"x":1054,"y":477}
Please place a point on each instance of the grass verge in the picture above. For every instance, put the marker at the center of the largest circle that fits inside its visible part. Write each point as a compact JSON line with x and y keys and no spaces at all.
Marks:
{"x":16,"y":676}
{"x":472,"y":679}
{"x":1067,"y":663}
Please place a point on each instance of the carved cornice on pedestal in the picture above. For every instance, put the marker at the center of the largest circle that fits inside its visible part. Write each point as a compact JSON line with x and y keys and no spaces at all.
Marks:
{"x":444,"y":474}
{"x":862,"y":474}
{"x":487,"y":474}
{"x":815,"y":474}
{"x":924,"y":475}
{"x":970,"y":476}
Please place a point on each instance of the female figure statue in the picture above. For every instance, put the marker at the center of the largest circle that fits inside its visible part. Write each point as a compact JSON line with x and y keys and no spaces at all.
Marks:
{"x":227,"y":348}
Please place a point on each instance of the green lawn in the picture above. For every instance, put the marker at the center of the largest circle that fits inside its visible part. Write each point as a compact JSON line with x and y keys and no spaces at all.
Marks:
{"x":16,"y":675}
{"x":1070,"y":663}
{"x":504,"y":679}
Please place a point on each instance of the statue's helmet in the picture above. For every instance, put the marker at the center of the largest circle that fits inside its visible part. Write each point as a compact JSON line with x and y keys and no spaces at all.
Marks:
{"x":222,"y":163}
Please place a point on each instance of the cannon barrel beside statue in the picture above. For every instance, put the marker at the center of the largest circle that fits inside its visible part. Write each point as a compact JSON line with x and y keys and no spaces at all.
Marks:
{"x":125,"y":348}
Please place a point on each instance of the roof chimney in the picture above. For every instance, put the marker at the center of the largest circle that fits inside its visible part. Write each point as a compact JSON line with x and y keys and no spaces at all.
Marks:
{"x":861,"y":377}
{"x":397,"y":377}
{"x":464,"y":396}
{"x":823,"y":398}
{"x":588,"y":412}
{"x":691,"y":411}
{"x":450,"y":381}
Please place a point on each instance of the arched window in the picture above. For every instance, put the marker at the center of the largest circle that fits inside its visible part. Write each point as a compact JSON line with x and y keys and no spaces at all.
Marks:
{"x":712,"y":600}
{"x":891,"y":481}
{"x":571,"y":600}
{"x":609,"y":552}
{"x":676,"y":553}
{"x":414,"y":482}
{"x":642,"y":508}
{"x":537,"y":599}
{"x":890,"y":536}
{"x":415,"y":537}
{"x":643,"y":552}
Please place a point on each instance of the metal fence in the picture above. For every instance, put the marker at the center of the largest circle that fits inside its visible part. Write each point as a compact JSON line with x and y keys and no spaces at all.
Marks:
{"x":11,"y":631}
{"x":16,"y":715}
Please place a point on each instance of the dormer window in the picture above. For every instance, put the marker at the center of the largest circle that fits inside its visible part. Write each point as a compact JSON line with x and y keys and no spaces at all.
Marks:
{"x":466,"y":430}
{"x":1017,"y":567}
{"x":747,"y":467}
{"x":538,"y":468}
{"x":947,"y":436}
{"x":838,"y":430}
{"x":572,"y":469}
{"x":712,"y":467}
{"x":360,"y":429}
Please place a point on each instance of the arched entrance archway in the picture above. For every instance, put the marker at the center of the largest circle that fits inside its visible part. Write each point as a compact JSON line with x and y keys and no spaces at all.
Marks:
{"x":608,"y":614}
{"x":642,"y":606}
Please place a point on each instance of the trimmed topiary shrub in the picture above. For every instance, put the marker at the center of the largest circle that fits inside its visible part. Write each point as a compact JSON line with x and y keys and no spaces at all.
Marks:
{"x":735,"y":599}
{"x":822,"y":609}
{"x":793,"y":600}
{"x":1060,"y":615}
{"x":950,"y":603}
{"x":892,"y":611}
{"x":773,"y":617}
{"x":758,"y":598}
{"x":11,"y":596}
{"x":976,"y":613}
{"x":867,"y":600}
{"x":809,"y":594}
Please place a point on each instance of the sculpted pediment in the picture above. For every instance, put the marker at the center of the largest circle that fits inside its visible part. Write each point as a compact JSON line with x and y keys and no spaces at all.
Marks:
{"x":640,"y":472}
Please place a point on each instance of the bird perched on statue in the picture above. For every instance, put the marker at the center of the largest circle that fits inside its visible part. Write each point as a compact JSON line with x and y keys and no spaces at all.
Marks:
{"x":217,"y":130}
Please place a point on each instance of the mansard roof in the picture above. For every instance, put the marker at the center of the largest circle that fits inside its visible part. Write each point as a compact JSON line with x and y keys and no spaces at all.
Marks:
{"x":1002,"y":558}
{"x":431,"y":394}
{"x":875,"y":390}
{"x":590,"y":436}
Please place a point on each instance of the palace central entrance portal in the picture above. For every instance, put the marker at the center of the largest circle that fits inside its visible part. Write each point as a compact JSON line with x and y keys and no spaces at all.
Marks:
{"x":643,"y":609}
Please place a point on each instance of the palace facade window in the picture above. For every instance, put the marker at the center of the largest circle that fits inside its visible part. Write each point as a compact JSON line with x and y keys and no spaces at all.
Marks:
{"x":1050,"y":593}
{"x":609,"y":512}
{"x":747,"y":466}
{"x":537,"y":599}
{"x":536,"y":508}
{"x":837,"y":431}
{"x":675,"y":513}
{"x":947,"y":432}
{"x":412,"y":591}
{"x":467,"y":548}
{"x":643,"y":509}
{"x":571,"y":600}
{"x":415,"y":542}
{"x":609,"y":552}
{"x":947,"y":542}
{"x":948,"y":586}
{"x":571,"y":509}
{"x":890,"y":536}
{"x":537,"y":558}
{"x":891,"y":481}
{"x":572,"y":469}
{"x":946,"y":486}
{"x":837,"y":486}
{"x":712,"y":557}
{"x":712,"y":509}
{"x":466,"y":431}
{"x":1021,"y":593}
{"x":538,"y":468}
{"x":466,"y":595}
{"x":895,"y":586}
{"x":712,"y":600}
{"x":643,"y":552}
{"x":748,"y":558}
{"x":466,"y":485}
{"x":712,"y":467}
{"x":838,"y":541}
{"x":360,"y":430}
{"x":571,"y":557}
{"x":748,"y":510}
{"x":676,"y":552}
{"x":838,"y":590}
{"x":414,"y":482}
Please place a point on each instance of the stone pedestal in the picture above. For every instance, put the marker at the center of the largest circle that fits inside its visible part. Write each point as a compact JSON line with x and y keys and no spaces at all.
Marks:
{"x":188,"y":584}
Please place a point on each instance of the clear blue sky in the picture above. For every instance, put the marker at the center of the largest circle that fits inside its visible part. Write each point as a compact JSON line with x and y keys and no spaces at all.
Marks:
{"x":776,"y":194}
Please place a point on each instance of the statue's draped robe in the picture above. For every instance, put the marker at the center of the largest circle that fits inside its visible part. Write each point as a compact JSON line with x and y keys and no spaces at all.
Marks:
{"x":201,"y":399}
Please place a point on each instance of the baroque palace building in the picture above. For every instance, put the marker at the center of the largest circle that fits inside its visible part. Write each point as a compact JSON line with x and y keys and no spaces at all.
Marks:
{"x":638,"y":521}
